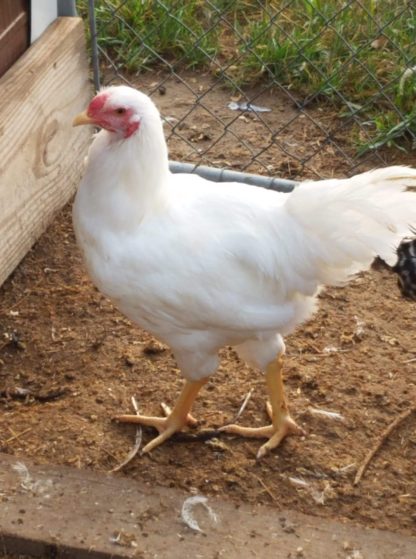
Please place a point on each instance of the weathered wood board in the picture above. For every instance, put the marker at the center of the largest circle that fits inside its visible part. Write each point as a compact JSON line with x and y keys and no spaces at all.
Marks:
{"x":41,"y":154}
{"x":54,"y":511}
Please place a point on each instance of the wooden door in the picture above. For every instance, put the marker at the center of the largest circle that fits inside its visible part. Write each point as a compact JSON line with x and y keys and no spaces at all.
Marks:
{"x":14,"y":31}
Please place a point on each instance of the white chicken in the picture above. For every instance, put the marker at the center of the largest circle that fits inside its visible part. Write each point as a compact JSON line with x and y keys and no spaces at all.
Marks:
{"x":201,"y":265}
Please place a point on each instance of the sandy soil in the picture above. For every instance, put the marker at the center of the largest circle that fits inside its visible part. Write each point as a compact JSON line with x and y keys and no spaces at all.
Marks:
{"x":81,"y":362}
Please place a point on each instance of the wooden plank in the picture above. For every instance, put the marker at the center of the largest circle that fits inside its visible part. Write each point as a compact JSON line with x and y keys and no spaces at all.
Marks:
{"x":55,"y":511}
{"x":40,"y":153}
{"x":14,"y":31}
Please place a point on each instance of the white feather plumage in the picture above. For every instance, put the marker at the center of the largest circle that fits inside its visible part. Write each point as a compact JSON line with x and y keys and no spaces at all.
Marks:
{"x":202,"y":265}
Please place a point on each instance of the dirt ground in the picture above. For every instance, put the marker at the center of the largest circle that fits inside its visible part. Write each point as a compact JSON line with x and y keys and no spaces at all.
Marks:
{"x":81,"y":362}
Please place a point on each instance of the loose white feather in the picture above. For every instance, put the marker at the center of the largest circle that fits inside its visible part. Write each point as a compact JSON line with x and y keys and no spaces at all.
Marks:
{"x":187,"y":513}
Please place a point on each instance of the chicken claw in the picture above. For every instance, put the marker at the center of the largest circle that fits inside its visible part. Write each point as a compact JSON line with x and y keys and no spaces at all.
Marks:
{"x":275,"y":436}
{"x":176,"y":419}
{"x":166,"y":427}
{"x":277,"y":409}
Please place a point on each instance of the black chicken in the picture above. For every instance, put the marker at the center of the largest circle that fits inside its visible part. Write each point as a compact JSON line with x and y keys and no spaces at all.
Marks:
{"x":406,"y":267}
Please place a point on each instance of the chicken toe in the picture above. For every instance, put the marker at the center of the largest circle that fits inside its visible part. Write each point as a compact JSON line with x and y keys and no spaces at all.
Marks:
{"x":277,"y":409}
{"x":176,"y":419}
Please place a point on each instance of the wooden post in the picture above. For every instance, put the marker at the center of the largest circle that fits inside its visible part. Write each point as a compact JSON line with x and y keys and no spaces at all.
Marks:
{"x":41,"y":155}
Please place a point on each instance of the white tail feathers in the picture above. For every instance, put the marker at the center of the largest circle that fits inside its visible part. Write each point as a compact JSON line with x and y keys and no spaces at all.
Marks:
{"x":351,"y":221}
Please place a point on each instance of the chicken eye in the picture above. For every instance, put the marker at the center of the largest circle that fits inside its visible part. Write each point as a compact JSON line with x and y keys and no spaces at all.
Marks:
{"x":120,"y":111}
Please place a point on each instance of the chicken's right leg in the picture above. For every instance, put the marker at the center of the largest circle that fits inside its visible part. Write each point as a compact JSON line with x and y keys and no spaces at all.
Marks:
{"x":178,"y":418}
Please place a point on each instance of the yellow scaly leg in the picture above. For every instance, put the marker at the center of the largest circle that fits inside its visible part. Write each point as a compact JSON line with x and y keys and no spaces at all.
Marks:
{"x":178,"y":418}
{"x":282,"y":423}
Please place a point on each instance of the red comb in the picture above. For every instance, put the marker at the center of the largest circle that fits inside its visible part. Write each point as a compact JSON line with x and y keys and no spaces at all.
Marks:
{"x":97,"y":103}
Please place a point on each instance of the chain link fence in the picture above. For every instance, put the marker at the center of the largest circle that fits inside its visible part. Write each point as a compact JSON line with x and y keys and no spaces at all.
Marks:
{"x":289,"y":88}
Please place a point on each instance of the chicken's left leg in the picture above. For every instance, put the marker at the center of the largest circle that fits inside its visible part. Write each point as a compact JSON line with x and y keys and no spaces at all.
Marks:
{"x":175,"y":421}
{"x":282,"y":423}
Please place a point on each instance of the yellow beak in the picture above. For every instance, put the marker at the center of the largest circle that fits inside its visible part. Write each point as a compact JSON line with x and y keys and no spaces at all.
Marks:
{"x":83,"y":118}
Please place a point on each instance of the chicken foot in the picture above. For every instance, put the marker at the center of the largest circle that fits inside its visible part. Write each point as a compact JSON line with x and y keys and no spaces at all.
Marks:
{"x":176,"y":419}
{"x":278,"y":411}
